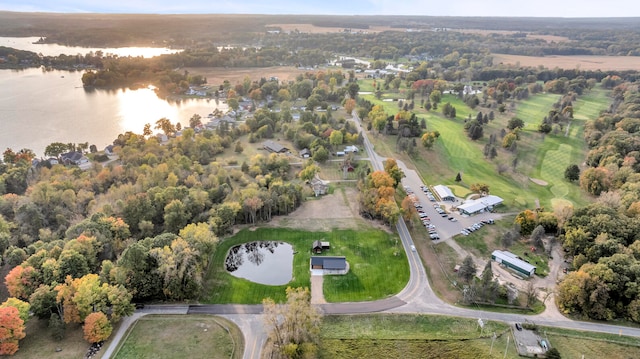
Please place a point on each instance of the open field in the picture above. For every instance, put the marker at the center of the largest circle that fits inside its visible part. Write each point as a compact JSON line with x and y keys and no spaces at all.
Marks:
{"x":216,"y":75}
{"x":583,"y":62}
{"x":373,"y":256}
{"x":314,"y":29}
{"x":182,"y":336}
{"x":547,"y":38}
{"x":40,"y":344}
{"x":418,"y":336}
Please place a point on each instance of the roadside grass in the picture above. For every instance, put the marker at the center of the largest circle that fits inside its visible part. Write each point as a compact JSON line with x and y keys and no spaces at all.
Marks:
{"x":419,"y":336}
{"x":406,"y":326}
{"x":474,"y":243}
{"x":182,"y":336}
{"x":40,"y":344}
{"x":374,"y":256}
{"x":410,"y":336}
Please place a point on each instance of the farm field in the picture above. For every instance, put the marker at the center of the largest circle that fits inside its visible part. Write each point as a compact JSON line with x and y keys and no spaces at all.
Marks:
{"x":362,"y":248}
{"x":583,"y":62}
{"x":182,"y":336}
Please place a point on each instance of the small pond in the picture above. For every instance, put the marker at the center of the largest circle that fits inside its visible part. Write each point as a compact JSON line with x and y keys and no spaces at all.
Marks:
{"x":264,"y":262}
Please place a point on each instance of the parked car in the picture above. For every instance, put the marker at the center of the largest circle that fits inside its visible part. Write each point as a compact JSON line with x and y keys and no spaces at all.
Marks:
{"x":518,"y":326}
{"x":464,"y":232}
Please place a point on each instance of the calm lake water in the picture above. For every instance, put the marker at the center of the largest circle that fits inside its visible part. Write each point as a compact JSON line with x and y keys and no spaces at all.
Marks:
{"x":38,"y":107}
{"x":27,"y":44}
{"x":266,"y":262}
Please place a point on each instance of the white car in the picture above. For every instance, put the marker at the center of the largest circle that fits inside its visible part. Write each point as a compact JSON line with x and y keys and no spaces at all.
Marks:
{"x":413,"y":248}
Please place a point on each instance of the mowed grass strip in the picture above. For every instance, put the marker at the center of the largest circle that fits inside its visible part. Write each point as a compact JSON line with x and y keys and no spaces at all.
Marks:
{"x":182,"y":336}
{"x":378,"y":266}
{"x":552,"y":170}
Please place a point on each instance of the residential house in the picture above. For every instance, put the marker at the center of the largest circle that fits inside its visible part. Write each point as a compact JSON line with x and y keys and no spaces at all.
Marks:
{"x":275,"y":147}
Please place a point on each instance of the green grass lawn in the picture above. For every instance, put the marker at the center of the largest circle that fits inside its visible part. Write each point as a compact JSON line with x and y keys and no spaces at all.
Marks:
{"x":378,"y":266}
{"x":182,"y":336}
{"x":542,"y":157}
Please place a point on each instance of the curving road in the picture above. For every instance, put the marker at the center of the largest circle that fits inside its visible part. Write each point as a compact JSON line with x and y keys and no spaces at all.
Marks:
{"x":417,"y":297}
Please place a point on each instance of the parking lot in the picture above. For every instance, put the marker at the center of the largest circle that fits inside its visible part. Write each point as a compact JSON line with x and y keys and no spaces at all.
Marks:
{"x":438,"y":217}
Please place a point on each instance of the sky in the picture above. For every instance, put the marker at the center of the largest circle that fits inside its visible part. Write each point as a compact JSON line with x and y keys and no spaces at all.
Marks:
{"x":521,"y":8}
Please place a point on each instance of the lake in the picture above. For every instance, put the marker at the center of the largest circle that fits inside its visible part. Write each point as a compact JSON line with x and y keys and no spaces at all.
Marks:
{"x":27,"y":44}
{"x":40,"y":107}
{"x":264,"y":262}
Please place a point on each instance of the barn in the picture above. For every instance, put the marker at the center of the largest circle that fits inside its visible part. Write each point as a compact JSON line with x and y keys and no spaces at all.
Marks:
{"x":512,"y":261}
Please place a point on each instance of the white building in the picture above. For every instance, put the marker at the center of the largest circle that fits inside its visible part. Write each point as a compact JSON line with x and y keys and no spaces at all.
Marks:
{"x":444,"y":193}
{"x":480,"y":205}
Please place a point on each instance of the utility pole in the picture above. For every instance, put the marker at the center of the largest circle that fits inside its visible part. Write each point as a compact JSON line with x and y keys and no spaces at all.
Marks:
{"x":507,"y":347}
{"x":493,"y":339}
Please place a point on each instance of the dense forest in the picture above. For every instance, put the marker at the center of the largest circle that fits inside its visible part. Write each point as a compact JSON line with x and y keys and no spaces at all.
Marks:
{"x":604,"y":237}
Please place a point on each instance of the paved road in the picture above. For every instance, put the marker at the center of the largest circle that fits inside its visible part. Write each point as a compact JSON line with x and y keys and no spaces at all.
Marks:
{"x":416,"y":297}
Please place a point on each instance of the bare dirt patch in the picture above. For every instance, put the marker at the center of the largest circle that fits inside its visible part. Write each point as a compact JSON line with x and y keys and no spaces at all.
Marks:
{"x":338,"y":210}
{"x":619,"y":63}
{"x":538,"y":181}
{"x":216,"y":75}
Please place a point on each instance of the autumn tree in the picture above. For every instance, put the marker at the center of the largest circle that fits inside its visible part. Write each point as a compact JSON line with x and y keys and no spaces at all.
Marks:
{"x":294,"y":327}
{"x":11,"y":330}
{"x":21,"y":306}
{"x":479,"y":188}
{"x":527,"y":221}
{"x":349,"y":105}
{"x":595,"y":180}
{"x":165,"y":125}
{"x":21,"y":281}
{"x":178,"y":267}
{"x":97,"y":327}
{"x":309,"y":171}
{"x":429,"y":138}
{"x":391,"y":167}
